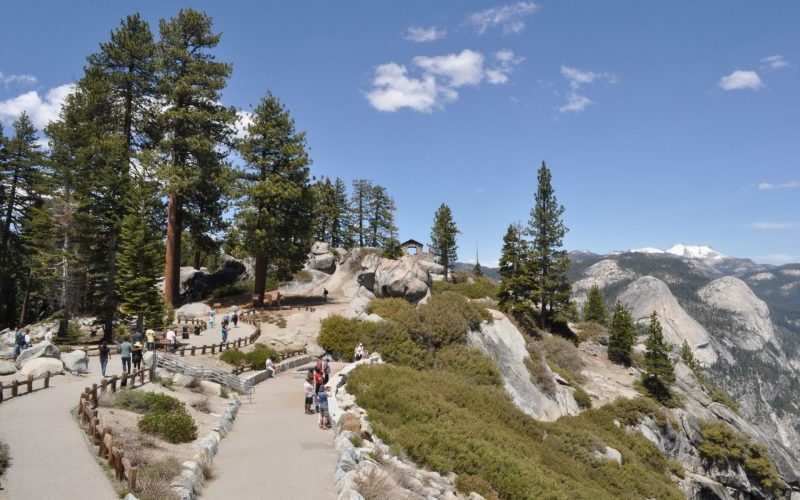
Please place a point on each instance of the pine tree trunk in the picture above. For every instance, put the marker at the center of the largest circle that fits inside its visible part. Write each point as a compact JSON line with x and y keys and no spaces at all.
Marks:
{"x":445,"y":262}
{"x":261,"y":279}
{"x":172,"y":264}
{"x":140,"y":322}
{"x":24,"y":310}
{"x":66,"y":309}
{"x":111,"y":304}
{"x":198,"y":258}
{"x":7,"y":222}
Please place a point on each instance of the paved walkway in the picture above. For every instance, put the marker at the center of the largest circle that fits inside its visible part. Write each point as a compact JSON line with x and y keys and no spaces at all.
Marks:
{"x":275,"y":450}
{"x":49,"y":452}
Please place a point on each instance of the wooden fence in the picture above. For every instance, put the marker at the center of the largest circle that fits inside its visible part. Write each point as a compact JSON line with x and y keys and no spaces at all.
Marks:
{"x":102,"y":436}
{"x":26,"y":385}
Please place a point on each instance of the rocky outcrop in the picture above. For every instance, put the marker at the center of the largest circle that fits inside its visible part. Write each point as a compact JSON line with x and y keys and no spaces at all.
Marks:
{"x":7,"y":367}
{"x":602,"y":274}
{"x":430,"y":266}
{"x":752,"y":325}
{"x":648,"y":294}
{"x":501,"y":340}
{"x":41,"y":350}
{"x":403,"y":278}
{"x":39,"y":366}
{"x":197,"y":284}
{"x":76,"y":361}
{"x":322,"y":258}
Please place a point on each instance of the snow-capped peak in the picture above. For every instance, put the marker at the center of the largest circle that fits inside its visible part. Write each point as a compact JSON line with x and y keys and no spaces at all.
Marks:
{"x":695,"y":252}
{"x":647,"y":250}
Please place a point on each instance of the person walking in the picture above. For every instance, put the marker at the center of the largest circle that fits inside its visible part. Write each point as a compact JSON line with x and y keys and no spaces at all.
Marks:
{"x":125,"y":349}
{"x":137,"y":336}
{"x":317,"y":384}
{"x":28,"y":339}
{"x":172,"y":340}
{"x":326,"y":372}
{"x":235,"y":318}
{"x":19,"y":342}
{"x":224,"y":332}
{"x":48,"y":335}
{"x":325,"y":295}
{"x":212,"y":317}
{"x":151,"y":339}
{"x":104,"y":352}
{"x":137,"y":356}
{"x":322,"y":403}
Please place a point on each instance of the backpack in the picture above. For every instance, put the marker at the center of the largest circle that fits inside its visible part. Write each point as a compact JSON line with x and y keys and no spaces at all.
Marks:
{"x":20,"y":338}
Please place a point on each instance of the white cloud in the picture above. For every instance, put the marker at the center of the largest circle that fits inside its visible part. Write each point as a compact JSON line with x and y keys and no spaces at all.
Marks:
{"x":243,"y":120}
{"x":740,"y":79}
{"x":767,"y":186}
{"x":42,"y":110}
{"x":510,"y":18}
{"x":577,"y":78}
{"x":772,"y":225}
{"x":423,"y":35}
{"x":438,"y":80}
{"x":7,"y":80}
{"x":775,"y":62}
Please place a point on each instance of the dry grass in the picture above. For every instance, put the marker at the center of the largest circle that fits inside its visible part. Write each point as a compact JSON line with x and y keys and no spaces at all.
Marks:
{"x":202,"y":404}
{"x":374,"y":484}
{"x":538,"y":369}
{"x":154,"y":480}
{"x":564,"y":358}
{"x":208,"y":470}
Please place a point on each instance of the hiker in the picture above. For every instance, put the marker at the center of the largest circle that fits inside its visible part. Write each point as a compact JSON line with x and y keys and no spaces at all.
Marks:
{"x":125,"y":352}
{"x":137,"y":356}
{"x":359,"y":351}
{"x":224,"y":332}
{"x":48,"y":334}
{"x":325,"y":295}
{"x":308,"y":389}
{"x":235,"y":319}
{"x":212,"y":316}
{"x":272,"y":367}
{"x":28,"y":339}
{"x":226,"y":320}
{"x":172,"y":340}
{"x":151,"y":339}
{"x":279,"y":299}
{"x":319,"y":365}
{"x":104,"y":352}
{"x":322,"y":402}
{"x":326,"y":372}
{"x":19,"y":341}
{"x":137,"y":337}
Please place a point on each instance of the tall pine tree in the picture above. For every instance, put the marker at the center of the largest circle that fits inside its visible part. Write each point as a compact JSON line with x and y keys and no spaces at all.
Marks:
{"x":443,"y":238}
{"x":362,"y":194}
{"x":659,"y":373}
{"x":381,"y":218}
{"x":515,"y":283}
{"x":194,"y":125}
{"x":549,"y":263}
{"x":276,"y":207}
{"x":621,"y":336}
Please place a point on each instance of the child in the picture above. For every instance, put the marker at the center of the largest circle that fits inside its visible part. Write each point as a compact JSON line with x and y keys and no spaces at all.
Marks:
{"x":322,"y":401}
{"x":308,"y":389}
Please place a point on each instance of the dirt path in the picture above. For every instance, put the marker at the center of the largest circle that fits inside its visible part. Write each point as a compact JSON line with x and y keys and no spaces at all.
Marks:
{"x":275,"y":450}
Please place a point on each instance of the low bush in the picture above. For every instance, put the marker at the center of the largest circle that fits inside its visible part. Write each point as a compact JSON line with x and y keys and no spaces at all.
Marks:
{"x":582,"y":398}
{"x":233,"y":357}
{"x":257,"y":358}
{"x":143,"y":402}
{"x":470,"y":363}
{"x":563,"y":358}
{"x":472,"y":288}
{"x":154,"y":480}
{"x":467,"y":484}
{"x":175,"y":426}
{"x":373,"y":484}
{"x":5,"y":458}
{"x":237,"y":288}
{"x":718,"y":395}
{"x":537,"y":368}
{"x":396,"y":309}
{"x":589,"y":330}
{"x":340,"y":336}
{"x":721,"y":444}
{"x":447,"y":423}
{"x":202,"y":404}
{"x":303,"y":276}
{"x":395,"y":345}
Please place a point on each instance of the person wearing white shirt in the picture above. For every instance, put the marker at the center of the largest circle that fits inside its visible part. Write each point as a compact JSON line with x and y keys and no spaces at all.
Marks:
{"x":48,"y":335}
{"x":27,"y":338}
{"x":171,"y":340}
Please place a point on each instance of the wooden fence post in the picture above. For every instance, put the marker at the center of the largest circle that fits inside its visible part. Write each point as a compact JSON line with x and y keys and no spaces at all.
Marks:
{"x":30,"y":383}
{"x":124,"y":381}
{"x":193,"y":348}
{"x":203,"y":349}
{"x":114,"y":383}
{"x":183,"y":350}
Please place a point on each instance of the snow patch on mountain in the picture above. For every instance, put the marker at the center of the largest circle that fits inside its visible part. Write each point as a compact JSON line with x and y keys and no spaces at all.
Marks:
{"x":648,"y":294}
{"x":791,"y":272}
{"x":647,"y":250}
{"x":762,"y":277}
{"x":695,"y":252}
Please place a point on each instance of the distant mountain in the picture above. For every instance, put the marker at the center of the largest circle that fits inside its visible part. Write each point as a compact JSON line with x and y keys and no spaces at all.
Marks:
{"x":489,"y":272}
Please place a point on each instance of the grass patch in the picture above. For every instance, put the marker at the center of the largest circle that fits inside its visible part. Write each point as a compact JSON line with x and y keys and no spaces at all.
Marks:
{"x":237,"y":288}
{"x":537,"y":368}
{"x":718,"y":395}
{"x":582,"y":398}
{"x":722,"y":444}
{"x":563,"y":358}
{"x":590,"y":331}
{"x":153,"y":481}
{"x":447,"y":423}
{"x":472,"y":288}
{"x":143,"y":402}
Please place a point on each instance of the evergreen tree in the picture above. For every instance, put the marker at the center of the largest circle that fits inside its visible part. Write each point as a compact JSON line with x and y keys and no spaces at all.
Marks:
{"x":477,"y":271}
{"x":194,"y":126}
{"x":381,"y":218}
{"x":443,"y":238}
{"x":595,"y":307}
{"x":687,"y":356}
{"x":341,"y":224}
{"x":21,"y":176}
{"x":548,"y":263}
{"x":659,"y":373}
{"x":275,"y":218}
{"x":515,"y":284}
{"x":621,"y":336}
{"x":572,"y":314}
{"x":324,"y":210}
{"x":362,"y":194}
{"x":141,"y":254}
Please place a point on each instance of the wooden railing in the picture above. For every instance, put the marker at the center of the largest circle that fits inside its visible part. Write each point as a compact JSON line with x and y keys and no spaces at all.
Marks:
{"x":102,"y":436}
{"x":27,"y":385}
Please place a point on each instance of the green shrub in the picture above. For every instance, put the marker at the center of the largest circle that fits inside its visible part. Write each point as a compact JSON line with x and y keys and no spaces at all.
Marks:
{"x":466,"y":484}
{"x":356,"y":441}
{"x":582,"y":398}
{"x":718,"y":395}
{"x":722,"y":444}
{"x":447,"y":423}
{"x":154,"y":480}
{"x":470,"y":363}
{"x":394,"y":344}
{"x":445,"y":319}
{"x":396,"y":309}
{"x":303,"y":276}
{"x":237,"y":288}
{"x":174,"y":426}
{"x":340,"y":336}
{"x":257,"y":358}
{"x":472,"y":288}
{"x":537,"y":368}
{"x":142,"y":402}
{"x":233,"y":357}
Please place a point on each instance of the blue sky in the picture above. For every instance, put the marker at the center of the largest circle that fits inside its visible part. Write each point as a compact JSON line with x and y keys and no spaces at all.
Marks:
{"x":662,"y":122}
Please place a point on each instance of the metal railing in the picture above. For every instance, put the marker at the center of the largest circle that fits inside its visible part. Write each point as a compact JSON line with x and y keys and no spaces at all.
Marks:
{"x":175,"y":364}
